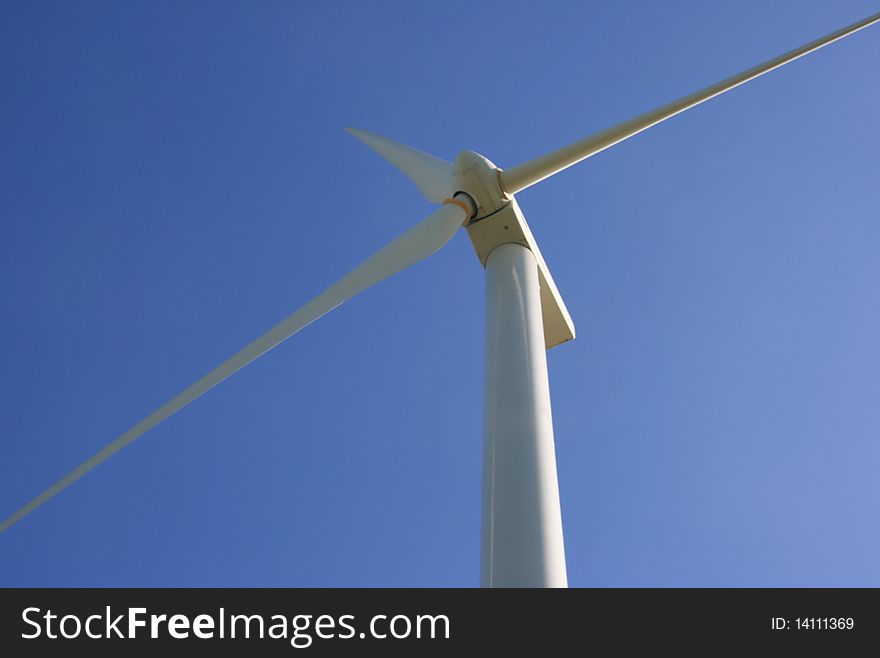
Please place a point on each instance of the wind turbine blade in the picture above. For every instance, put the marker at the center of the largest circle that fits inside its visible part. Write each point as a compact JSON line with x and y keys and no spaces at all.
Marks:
{"x":527,"y":174}
{"x":414,"y":245}
{"x":431,"y":175}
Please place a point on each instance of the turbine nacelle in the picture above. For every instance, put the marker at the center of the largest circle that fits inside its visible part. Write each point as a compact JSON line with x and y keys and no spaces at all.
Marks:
{"x":474,"y":183}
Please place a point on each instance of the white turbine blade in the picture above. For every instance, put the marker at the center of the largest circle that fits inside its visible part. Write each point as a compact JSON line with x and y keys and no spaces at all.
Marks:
{"x":414,"y":245}
{"x":527,"y":174}
{"x":431,"y":175}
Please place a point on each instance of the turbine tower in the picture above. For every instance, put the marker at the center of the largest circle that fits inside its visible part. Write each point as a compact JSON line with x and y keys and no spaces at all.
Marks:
{"x":522,"y":540}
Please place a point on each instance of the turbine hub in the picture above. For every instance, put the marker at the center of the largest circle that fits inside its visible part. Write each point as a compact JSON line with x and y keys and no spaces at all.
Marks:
{"x":478,"y":177}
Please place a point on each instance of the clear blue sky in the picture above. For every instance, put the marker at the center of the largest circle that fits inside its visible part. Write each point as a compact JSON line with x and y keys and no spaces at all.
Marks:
{"x":176,"y":179}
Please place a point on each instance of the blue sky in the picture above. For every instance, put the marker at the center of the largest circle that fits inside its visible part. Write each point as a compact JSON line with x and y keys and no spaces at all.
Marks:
{"x":177,"y":179}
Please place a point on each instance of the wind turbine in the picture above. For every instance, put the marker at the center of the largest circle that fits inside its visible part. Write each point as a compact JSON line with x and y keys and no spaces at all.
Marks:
{"x":522,"y":543}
